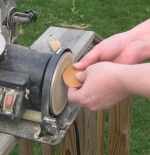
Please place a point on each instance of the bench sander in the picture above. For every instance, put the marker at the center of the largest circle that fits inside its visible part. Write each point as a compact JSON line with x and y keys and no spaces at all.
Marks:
{"x":33,"y":96}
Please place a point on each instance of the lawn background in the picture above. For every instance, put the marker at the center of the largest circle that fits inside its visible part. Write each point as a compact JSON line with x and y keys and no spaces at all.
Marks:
{"x":105,"y":17}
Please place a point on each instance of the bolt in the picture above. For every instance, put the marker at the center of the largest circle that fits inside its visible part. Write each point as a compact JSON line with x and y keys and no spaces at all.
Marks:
{"x":12,"y":118}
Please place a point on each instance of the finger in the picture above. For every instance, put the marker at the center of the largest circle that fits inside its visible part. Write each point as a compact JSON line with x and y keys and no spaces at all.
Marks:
{"x":72,"y":93}
{"x":90,"y":58}
{"x":81,"y":76}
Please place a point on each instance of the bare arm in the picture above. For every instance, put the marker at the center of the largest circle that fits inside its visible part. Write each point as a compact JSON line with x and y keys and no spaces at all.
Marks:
{"x":129,"y":47}
{"x":135,"y":79}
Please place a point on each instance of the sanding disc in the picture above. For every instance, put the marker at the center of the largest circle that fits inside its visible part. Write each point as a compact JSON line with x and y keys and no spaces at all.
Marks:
{"x":2,"y":44}
{"x":70,"y":78}
{"x":59,"y":89}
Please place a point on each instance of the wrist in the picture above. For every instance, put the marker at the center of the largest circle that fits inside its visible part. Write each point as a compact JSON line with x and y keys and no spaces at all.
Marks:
{"x":123,"y":73}
{"x":134,"y":79}
{"x":117,"y":78}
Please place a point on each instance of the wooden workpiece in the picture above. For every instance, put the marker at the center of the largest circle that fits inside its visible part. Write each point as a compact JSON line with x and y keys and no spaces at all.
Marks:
{"x":69,"y":77}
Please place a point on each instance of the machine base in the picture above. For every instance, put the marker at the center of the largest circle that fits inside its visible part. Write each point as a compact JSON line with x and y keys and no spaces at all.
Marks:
{"x":30,"y":130}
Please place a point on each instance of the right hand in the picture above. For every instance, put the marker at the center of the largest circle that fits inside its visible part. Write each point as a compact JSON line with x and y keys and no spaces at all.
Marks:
{"x":101,"y":87}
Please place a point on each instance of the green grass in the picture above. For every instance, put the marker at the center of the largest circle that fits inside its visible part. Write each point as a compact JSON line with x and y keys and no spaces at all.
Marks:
{"x":106,"y":18}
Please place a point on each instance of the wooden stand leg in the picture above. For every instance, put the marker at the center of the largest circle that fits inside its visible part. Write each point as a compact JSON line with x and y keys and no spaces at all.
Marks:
{"x":25,"y":147}
{"x":100,"y":133}
{"x":47,"y":149}
{"x":87,"y":131}
{"x":119,"y":128}
{"x":68,"y":145}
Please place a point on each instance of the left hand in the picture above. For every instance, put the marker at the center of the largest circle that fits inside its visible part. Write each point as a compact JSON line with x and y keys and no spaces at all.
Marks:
{"x":101,"y":88}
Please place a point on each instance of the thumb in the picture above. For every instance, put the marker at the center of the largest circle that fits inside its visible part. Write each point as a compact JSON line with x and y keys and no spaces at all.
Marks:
{"x":81,"y":76}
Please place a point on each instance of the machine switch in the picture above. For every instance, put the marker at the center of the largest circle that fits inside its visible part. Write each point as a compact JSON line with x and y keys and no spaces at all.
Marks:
{"x":9,"y":102}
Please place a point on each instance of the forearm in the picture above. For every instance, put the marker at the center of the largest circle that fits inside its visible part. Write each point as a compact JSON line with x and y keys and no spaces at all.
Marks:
{"x":141,"y":29}
{"x":135,"y":79}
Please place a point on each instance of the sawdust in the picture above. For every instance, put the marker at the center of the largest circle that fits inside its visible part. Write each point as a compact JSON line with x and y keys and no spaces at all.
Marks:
{"x":79,"y":26}
{"x":21,"y":32}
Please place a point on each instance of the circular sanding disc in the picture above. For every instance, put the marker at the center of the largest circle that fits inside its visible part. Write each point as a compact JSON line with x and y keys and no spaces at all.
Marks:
{"x":58,"y":93}
{"x":70,"y":78}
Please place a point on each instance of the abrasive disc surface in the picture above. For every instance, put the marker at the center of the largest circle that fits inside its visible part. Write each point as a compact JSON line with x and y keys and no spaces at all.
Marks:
{"x":59,"y":89}
{"x":70,"y":78}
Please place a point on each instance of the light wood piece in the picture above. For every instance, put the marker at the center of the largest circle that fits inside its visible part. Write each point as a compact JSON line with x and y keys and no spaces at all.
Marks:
{"x":32,"y":115}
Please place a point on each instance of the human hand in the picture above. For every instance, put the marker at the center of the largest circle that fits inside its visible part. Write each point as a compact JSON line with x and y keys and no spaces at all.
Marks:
{"x":129,"y":47}
{"x":101,"y":88}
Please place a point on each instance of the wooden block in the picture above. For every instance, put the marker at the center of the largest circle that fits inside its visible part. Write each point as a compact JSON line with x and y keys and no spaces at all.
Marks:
{"x":32,"y":115}
{"x":55,"y":45}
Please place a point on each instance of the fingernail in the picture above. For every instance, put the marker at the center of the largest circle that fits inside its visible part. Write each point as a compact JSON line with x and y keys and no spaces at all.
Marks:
{"x":78,"y":64}
{"x":78,"y":75}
